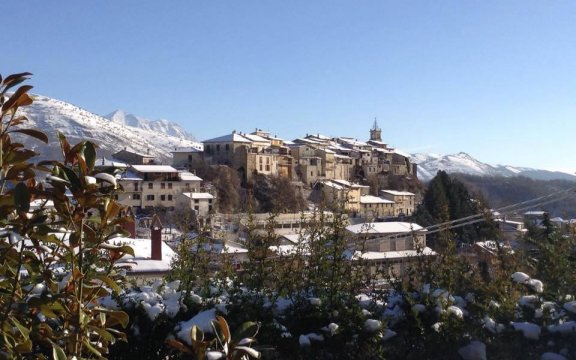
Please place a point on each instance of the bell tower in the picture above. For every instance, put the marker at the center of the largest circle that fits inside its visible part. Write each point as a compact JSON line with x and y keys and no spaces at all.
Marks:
{"x":375,"y":132}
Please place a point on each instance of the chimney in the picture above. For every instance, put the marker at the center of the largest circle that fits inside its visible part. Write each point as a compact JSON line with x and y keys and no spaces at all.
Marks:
{"x":156,"y":235}
{"x":130,"y":224}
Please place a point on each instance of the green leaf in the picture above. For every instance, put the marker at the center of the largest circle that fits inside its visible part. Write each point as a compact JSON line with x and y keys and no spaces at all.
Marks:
{"x":248,"y":329}
{"x":119,"y":317}
{"x":21,"y":328}
{"x":72,"y":178}
{"x":91,"y":347}
{"x":22,"y":197}
{"x":90,"y":155}
{"x":58,"y":353}
{"x":111,"y":283}
{"x":196,"y":334}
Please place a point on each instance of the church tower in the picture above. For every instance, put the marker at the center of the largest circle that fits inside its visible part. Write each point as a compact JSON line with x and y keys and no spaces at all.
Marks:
{"x":375,"y":132}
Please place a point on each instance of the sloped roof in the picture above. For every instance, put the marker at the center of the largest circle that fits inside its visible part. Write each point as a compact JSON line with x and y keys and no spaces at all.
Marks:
{"x":154,"y":168}
{"x":383,"y":255}
{"x":188,"y":176}
{"x":233,"y":137}
{"x":397,"y":193}
{"x":370,"y":199}
{"x":141,"y":262}
{"x":394,"y":227}
{"x":198,"y":195}
{"x":257,"y":138}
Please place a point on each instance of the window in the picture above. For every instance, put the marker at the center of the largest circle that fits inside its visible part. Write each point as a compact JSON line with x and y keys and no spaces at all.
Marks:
{"x":136,"y":197}
{"x":196,"y":208}
{"x":267,"y":167}
{"x":196,"y":201}
{"x":150,"y":185}
{"x":210,"y":208}
{"x":169,"y":197}
{"x":227,"y":147}
{"x":162,"y":186}
{"x":217,"y":147}
{"x":169,"y":185}
{"x":189,"y":157}
{"x":162,"y":197}
{"x":135,"y":186}
{"x":150,"y":197}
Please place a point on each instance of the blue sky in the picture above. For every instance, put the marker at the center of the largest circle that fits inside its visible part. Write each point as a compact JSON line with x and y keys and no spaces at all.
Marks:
{"x":496,"y":79}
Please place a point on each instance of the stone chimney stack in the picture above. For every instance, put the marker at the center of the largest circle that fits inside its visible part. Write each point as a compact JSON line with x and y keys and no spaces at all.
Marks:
{"x":130,"y":224}
{"x":156,"y":235}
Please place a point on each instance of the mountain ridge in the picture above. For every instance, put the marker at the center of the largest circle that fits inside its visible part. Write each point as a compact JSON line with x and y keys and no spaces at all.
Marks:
{"x":463,"y":163}
{"x":77,"y":124}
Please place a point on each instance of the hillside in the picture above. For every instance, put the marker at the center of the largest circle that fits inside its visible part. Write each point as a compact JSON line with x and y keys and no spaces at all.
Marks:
{"x":501,"y":191}
{"x":51,"y":115}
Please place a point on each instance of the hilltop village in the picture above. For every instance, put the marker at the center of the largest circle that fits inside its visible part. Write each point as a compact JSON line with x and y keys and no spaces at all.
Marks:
{"x":339,"y":175}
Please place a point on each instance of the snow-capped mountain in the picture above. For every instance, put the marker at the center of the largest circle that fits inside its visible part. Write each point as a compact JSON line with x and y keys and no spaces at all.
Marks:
{"x":162,"y":126}
{"x":430,"y":164}
{"x":51,"y":115}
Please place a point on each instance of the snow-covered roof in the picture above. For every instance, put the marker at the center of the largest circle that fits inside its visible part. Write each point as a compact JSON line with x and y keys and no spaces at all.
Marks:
{"x":384,"y":228}
{"x":154,"y":168}
{"x":226,"y":248}
{"x":370,"y":199}
{"x":256,"y":138}
{"x":535,"y":213}
{"x":142,"y":263}
{"x":109,"y":162}
{"x":188,"y":176}
{"x":398,"y":193}
{"x":198,"y":195}
{"x":333,"y":185}
{"x":233,"y":137}
{"x":130,"y":176}
{"x":401,"y":153}
{"x":383,"y":255}
{"x":296,"y":238}
{"x":284,"y":250}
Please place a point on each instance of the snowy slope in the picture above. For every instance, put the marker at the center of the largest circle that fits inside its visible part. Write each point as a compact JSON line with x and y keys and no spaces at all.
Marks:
{"x":430,"y":164}
{"x":51,"y":115}
{"x":162,"y":126}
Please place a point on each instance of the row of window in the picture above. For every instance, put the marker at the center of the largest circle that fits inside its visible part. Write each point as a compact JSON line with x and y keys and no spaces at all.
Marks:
{"x":226,"y":147}
{"x":152,"y":197}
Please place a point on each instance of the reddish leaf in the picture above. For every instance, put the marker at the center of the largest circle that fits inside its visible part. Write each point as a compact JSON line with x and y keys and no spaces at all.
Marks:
{"x":34,"y":133}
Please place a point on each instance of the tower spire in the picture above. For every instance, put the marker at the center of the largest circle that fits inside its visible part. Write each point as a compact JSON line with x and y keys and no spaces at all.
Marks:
{"x":375,"y":132}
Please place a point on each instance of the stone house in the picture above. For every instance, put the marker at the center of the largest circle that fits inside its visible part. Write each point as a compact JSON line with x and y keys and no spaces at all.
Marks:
{"x":405,"y":202}
{"x":133,"y":158}
{"x":391,"y":247}
{"x":147,"y":186}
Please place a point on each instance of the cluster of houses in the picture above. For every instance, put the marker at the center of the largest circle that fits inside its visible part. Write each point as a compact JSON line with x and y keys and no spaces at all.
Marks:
{"x":310,"y":159}
{"x":329,"y":165}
